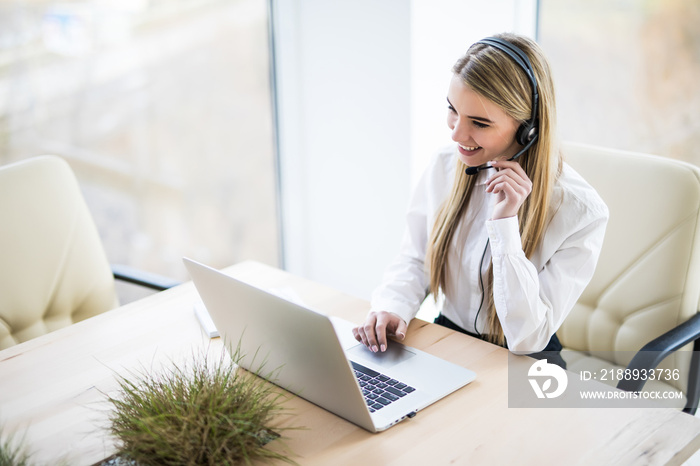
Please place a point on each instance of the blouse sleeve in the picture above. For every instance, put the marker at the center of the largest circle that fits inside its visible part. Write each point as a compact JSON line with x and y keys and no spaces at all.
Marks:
{"x":532,"y":304}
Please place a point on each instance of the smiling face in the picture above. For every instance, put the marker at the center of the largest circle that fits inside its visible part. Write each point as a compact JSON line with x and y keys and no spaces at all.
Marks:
{"x":482,"y":130}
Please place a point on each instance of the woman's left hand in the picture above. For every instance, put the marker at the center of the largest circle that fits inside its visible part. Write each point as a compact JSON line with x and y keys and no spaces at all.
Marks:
{"x":511,"y":186}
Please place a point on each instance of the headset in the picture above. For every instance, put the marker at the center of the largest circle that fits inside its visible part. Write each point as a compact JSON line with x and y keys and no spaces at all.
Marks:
{"x":527,"y":134}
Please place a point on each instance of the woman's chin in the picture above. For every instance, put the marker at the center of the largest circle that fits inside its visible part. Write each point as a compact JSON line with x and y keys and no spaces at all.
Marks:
{"x":470,"y":161}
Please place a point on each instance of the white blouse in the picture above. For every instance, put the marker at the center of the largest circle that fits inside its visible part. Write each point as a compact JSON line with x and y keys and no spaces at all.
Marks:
{"x":532,"y":296}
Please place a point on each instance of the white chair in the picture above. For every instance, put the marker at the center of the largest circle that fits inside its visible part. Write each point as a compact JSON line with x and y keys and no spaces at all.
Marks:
{"x":640,"y":310}
{"x":53,"y":268}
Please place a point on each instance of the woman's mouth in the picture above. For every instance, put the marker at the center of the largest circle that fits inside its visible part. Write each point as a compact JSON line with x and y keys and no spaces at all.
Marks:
{"x":468,"y":150}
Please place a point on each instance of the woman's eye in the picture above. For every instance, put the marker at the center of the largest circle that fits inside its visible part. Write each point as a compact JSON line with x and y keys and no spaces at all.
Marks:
{"x":479,"y":124}
{"x":451,"y":109}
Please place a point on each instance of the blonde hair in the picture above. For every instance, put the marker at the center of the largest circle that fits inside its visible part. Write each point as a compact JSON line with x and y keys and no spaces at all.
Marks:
{"x":495,"y":76}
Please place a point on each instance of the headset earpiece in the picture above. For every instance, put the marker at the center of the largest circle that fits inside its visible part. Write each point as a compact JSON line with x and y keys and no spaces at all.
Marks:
{"x":526,"y":132}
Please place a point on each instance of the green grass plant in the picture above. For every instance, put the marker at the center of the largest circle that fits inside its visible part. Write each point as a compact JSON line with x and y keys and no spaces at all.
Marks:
{"x":197,"y":413}
{"x":13,"y":452}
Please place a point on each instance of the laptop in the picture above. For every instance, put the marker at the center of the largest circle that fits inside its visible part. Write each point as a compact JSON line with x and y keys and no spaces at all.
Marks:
{"x":317,"y":358}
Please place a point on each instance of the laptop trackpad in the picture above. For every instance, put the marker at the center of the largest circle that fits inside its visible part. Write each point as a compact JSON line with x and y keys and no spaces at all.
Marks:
{"x":394,"y":354}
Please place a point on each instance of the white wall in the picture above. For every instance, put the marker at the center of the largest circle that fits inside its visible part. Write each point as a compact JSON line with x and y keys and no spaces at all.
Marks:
{"x":343,"y":101}
{"x":361,"y":107}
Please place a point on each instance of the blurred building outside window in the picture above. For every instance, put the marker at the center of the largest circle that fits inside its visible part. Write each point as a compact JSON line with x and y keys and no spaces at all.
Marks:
{"x":163,"y":109}
{"x":627,"y":73}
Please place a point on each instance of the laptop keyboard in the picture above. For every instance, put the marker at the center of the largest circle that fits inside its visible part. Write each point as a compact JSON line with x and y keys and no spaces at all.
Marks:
{"x":378,"y":389}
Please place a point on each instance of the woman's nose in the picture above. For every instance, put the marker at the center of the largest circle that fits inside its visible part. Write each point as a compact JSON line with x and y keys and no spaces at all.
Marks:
{"x":460,"y":131}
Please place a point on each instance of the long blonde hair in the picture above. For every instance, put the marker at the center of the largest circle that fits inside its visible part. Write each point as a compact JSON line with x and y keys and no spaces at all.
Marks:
{"x":495,"y":76}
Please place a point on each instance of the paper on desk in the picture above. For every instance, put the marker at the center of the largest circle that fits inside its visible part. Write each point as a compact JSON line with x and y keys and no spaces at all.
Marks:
{"x":210,"y":329}
{"x":205,"y":320}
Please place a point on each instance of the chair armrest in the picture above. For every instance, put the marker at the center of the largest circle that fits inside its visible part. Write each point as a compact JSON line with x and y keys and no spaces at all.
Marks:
{"x":139,"y":277}
{"x":658,"y":349}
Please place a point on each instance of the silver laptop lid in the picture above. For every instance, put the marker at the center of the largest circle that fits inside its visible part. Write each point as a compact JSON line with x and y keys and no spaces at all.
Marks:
{"x":296,"y":344}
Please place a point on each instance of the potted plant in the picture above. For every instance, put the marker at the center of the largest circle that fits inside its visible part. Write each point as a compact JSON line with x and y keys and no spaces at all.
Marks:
{"x":197,"y":413}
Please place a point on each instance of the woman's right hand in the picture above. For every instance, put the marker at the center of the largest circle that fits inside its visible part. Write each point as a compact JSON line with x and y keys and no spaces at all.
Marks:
{"x":377,"y":326}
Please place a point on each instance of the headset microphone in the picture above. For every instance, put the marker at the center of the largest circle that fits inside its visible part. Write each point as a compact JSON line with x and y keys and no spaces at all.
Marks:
{"x":486,"y":166}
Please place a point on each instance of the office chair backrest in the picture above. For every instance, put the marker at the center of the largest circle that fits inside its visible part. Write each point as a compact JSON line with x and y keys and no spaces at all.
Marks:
{"x":648,"y":277}
{"x":53,"y":269}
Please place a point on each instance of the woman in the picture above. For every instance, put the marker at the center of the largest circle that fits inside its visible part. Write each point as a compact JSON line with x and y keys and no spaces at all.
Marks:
{"x":501,"y":231}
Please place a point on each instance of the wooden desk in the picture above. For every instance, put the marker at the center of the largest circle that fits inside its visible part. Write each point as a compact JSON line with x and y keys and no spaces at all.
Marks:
{"x":53,"y":389}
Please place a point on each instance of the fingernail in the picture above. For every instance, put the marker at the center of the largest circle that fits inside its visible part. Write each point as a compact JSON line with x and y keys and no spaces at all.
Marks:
{"x":383,"y":348}
{"x":375,"y":349}
{"x":401,"y":336}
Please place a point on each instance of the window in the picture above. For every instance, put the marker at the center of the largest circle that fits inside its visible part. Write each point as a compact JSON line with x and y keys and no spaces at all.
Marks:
{"x":627,"y":73}
{"x":162,"y":108}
